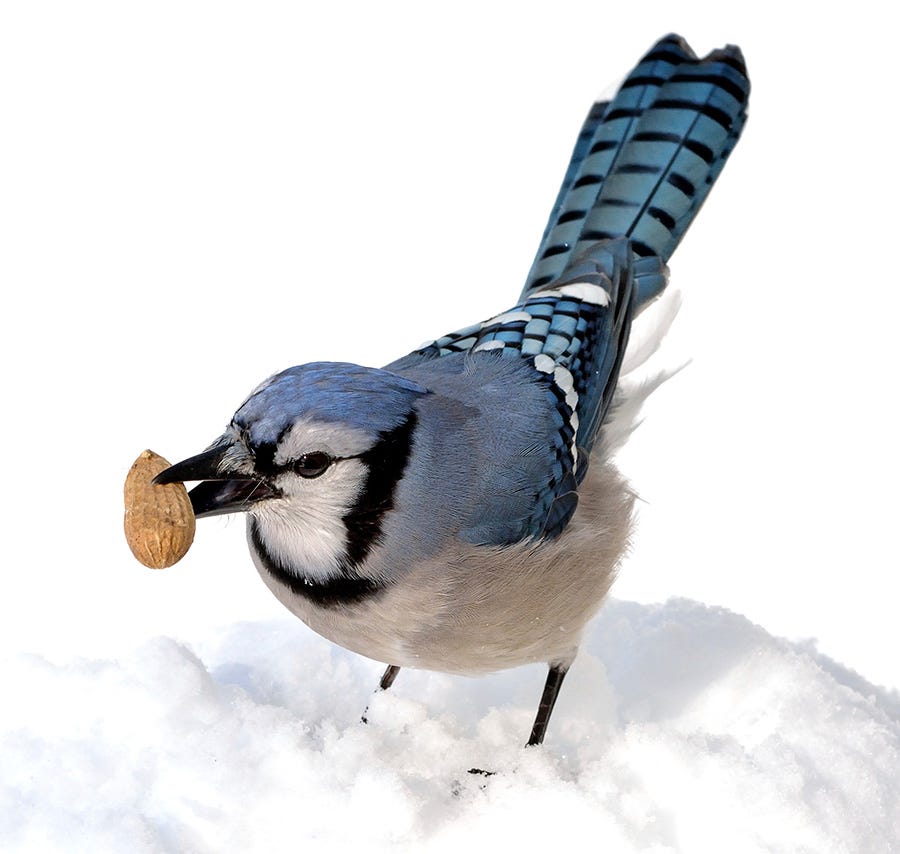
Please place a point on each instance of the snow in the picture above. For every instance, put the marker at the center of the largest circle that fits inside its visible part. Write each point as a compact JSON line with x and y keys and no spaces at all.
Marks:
{"x":680,"y":728}
{"x":198,"y":194}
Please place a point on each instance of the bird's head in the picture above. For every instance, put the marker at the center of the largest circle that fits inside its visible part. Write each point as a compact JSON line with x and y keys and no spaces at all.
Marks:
{"x":313,"y":455}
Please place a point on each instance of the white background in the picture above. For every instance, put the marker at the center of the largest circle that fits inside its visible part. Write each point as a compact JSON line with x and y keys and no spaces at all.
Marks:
{"x":195,"y":195}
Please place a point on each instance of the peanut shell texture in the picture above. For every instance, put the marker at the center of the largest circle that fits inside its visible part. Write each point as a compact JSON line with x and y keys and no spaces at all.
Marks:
{"x":159,"y":519}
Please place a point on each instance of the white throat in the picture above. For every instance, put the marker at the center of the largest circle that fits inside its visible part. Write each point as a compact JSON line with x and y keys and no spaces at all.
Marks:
{"x":304,"y":532}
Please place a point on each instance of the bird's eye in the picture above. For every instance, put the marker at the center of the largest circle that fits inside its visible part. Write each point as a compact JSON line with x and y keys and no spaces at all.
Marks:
{"x":312,"y":464}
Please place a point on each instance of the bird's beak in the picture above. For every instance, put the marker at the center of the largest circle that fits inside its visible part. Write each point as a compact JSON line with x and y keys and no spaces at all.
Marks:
{"x":219,"y":491}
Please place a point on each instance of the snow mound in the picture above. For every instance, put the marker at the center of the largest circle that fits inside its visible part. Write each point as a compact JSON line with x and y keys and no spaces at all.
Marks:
{"x":680,"y":728}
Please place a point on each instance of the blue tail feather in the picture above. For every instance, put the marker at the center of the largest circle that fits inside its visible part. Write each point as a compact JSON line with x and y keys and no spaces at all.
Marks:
{"x":582,"y":148}
{"x":644,"y":162}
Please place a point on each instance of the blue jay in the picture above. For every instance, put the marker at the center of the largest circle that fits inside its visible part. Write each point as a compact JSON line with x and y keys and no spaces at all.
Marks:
{"x":457,"y":510}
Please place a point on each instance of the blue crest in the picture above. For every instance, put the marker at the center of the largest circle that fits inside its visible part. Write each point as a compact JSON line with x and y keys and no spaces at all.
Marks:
{"x":368,"y":399}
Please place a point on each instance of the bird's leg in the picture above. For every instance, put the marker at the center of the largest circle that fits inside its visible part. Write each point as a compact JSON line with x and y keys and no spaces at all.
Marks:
{"x":548,"y":700}
{"x":387,"y":680}
{"x":389,"y":676}
{"x":545,"y":708}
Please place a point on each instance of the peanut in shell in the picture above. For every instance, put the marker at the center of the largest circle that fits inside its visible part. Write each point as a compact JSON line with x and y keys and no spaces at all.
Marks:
{"x":159,"y":519}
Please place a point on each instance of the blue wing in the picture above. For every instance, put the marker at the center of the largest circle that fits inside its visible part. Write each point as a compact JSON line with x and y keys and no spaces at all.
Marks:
{"x":574,"y":335}
{"x":640,"y":170}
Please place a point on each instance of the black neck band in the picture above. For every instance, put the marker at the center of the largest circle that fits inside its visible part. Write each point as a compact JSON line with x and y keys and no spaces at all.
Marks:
{"x":385,"y":462}
{"x":342,"y":590}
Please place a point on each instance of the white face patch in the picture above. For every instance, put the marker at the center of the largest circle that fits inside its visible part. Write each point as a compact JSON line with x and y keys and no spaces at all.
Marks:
{"x":304,"y":530}
{"x":336,"y":440}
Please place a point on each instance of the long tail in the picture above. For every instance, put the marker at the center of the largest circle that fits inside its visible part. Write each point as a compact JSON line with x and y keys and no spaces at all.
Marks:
{"x":645,"y":161}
